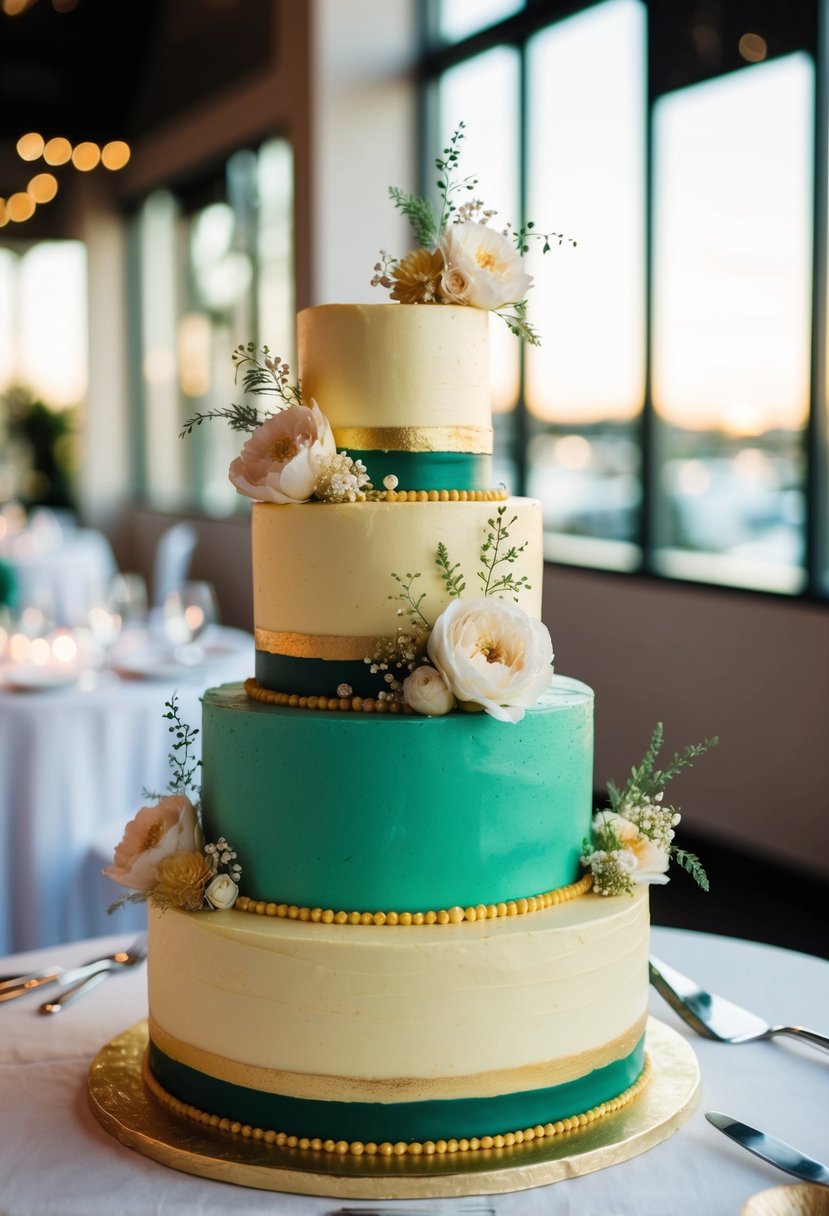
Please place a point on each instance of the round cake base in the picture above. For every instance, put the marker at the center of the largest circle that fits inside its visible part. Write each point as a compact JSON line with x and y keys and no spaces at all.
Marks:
{"x":125,"y":1108}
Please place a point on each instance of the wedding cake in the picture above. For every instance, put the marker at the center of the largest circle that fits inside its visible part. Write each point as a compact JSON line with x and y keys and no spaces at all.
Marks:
{"x":409,"y":934}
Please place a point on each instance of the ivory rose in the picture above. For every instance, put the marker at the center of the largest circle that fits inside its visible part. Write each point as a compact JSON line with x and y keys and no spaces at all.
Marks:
{"x":155,"y":833}
{"x":426,"y":691}
{"x":222,"y":892}
{"x":282,"y":459}
{"x":651,"y":859}
{"x":483,"y":267}
{"x":492,"y":654}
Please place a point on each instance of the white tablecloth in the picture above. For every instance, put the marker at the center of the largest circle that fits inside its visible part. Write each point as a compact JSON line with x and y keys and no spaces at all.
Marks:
{"x":56,"y":1159}
{"x":60,"y":579}
{"x":73,"y":765}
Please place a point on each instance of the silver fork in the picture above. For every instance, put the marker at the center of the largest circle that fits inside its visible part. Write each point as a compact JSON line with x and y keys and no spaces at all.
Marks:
{"x":716,"y":1018}
{"x":136,"y":953}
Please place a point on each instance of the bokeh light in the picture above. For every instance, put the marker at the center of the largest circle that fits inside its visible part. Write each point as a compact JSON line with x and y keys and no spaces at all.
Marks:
{"x":86,"y":156}
{"x":57,"y":151}
{"x":115,"y":154}
{"x":30,"y":146}
{"x":43,"y":187}
{"x":20,"y":207}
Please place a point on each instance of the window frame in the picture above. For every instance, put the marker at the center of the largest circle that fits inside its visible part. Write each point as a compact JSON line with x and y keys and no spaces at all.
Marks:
{"x":516,"y":31}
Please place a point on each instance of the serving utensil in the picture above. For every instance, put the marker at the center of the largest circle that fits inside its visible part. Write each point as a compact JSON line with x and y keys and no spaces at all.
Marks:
{"x":770,"y":1149}
{"x":136,"y":953}
{"x":716,"y":1018}
{"x":20,"y":985}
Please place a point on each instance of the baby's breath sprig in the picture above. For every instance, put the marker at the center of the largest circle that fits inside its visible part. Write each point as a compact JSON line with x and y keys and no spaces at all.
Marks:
{"x":396,"y":658}
{"x":407,"y":595}
{"x":182,"y":765}
{"x":452,"y":576}
{"x":492,"y":557}
{"x":382,"y":269}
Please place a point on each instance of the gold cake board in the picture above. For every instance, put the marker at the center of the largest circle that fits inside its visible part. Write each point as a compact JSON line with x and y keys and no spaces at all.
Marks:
{"x":124,"y":1106}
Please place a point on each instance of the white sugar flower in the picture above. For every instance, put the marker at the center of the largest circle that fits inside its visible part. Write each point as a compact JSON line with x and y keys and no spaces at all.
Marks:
{"x":483,"y":267}
{"x":651,"y":857}
{"x":426,"y":691}
{"x":492,"y":655}
{"x":222,"y":892}
{"x":282,"y":459}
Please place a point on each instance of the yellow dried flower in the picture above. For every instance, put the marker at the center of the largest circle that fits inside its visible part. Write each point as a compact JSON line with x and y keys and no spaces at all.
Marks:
{"x":417,"y":277}
{"x":182,"y":878}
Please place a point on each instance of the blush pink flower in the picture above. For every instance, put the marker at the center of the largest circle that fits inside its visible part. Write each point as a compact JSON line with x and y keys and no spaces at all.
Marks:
{"x":284,"y":456}
{"x":155,"y":833}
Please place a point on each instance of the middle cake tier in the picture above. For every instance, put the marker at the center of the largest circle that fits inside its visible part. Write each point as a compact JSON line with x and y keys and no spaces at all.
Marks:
{"x":354,"y":812}
{"x":324,"y":588}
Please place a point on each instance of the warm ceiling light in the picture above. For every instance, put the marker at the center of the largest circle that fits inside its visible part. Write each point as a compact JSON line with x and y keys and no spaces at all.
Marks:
{"x":12,"y":8}
{"x":20,"y":207}
{"x":4,"y":215}
{"x":30,"y":147}
{"x":115,"y":154}
{"x":43,"y":188}
{"x":753,"y":48}
{"x":86,"y":156}
{"x":57,"y":151}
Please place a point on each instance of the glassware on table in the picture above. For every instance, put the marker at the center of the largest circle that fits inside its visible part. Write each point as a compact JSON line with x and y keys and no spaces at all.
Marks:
{"x":188,"y":612}
{"x":127,"y":595}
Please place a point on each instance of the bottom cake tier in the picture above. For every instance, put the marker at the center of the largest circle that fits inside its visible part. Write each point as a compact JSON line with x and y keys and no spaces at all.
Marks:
{"x":364,"y":1035}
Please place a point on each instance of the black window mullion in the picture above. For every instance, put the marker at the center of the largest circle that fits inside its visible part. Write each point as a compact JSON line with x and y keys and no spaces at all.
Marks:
{"x":817,"y":496}
{"x":521,"y":421}
{"x":648,"y":537}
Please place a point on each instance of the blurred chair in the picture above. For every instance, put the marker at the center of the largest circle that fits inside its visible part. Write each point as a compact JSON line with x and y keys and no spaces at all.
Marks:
{"x":172,"y":561}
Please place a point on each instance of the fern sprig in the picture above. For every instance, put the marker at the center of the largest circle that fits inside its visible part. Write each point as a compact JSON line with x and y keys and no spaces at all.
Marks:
{"x":693,"y":865}
{"x":241,"y":417}
{"x":420,"y":214}
{"x":452,"y":576}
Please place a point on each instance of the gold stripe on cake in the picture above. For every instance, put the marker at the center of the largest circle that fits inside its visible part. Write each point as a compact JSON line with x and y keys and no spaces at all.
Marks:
{"x":474,"y":439}
{"x":398,"y":1089}
{"x":313,"y":645}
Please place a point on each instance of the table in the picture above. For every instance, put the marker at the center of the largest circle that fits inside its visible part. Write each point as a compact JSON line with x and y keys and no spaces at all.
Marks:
{"x":60,"y":577}
{"x":73,"y":764}
{"x":55,"y":1160}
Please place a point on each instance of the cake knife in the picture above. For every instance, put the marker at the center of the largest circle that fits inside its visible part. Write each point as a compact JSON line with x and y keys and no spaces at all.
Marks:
{"x":776,"y":1152}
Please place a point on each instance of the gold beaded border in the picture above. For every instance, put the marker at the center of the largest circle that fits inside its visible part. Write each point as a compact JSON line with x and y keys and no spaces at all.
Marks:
{"x":366,"y":705}
{"x":403,"y":1148}
{"x":444,"y":916}
{"x":497,"y":495}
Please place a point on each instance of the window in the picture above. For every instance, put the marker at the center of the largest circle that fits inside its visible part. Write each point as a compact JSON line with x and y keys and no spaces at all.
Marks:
{"x":215,"y":268}
{"x":671,"y":422}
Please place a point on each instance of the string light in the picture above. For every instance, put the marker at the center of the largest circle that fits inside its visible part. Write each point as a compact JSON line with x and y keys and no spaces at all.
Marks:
{"x":43,"y":187}
{"x":30,"y":146}
{"x":57,"y":151}
{"x":4,"y":215}
{"x":115,"y":154}
{"x":20,"y":207}
{"x":86,"y":156}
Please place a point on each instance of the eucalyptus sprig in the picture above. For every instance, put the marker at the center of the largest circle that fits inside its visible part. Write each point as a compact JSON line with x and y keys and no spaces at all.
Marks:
{"x":522,"y":237}
{"x":182,"y":765}
{"x":407,"y":596}
{"x":452,"y":576}
{"x":492,"y":557}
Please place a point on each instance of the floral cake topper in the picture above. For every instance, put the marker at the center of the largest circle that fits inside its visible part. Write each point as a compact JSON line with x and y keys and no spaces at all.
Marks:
{"x":162,"y":856}
{"x":632,"y":843}
{"x":461,"y":258}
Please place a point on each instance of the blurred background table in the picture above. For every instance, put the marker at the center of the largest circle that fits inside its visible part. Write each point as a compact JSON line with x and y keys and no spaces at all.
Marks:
{"x":73,"y":763}
{"x":57,"y":566}
{"x":55,"y":1158}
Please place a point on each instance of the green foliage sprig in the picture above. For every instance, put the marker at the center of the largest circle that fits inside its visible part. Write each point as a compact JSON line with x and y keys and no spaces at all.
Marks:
{"x":492,"y":557}
{"x":517,"y":323}
{"x":262,"y":374}
{"x":646,"y":781}
{"x":407,"y":596}
{"x":522,"y":237}
{"x":452,"y":576}
{"x":420,"y":214}
{"x":183,"y":767}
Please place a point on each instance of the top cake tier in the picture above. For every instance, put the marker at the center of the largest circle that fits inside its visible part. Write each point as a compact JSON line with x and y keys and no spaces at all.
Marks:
{"x":406,"y":389}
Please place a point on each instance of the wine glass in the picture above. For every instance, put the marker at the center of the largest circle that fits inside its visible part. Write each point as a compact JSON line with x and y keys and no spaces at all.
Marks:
{"x":127,"y":595}
{"x":188,"y":612}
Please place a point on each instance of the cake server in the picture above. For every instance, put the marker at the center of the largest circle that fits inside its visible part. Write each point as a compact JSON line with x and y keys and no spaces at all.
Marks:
{"x":716,"y":1018}
{"x":776,"y":1152}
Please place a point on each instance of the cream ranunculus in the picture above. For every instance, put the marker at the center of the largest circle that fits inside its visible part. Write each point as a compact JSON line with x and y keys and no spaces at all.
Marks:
{"x":281,"y":460}
{"x":491,"y":653}
{"x":426,"y":691}
{"x":651,"y":859}
{"x":483,"y":267}
{"x":222,"y":892}
{"x":156,"y":832}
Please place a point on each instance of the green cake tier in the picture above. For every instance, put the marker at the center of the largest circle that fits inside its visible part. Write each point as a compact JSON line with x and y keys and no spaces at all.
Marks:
{"x":405,"y":813}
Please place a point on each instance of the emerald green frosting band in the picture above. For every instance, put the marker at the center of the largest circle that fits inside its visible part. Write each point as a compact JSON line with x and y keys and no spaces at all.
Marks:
{"x":399,"y":812}
{"x":315,"y":677}
{"x":375,"y":1121}
{"x":428,"y":470}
